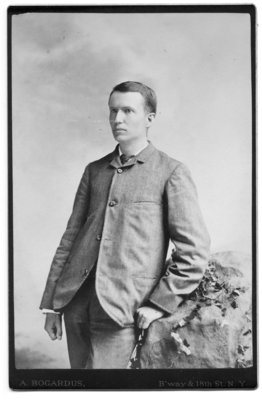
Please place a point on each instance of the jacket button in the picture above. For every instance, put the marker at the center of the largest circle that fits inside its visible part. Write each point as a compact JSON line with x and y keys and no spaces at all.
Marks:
{"x":112,"y":203}
{"x":119,"y":170}
{"x":85,"y":272}
{"x":98,"y":237}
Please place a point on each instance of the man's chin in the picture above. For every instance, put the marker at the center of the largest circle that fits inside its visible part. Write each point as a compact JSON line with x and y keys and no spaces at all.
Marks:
{"x":120,"y":136}
{"x":119,"y":132}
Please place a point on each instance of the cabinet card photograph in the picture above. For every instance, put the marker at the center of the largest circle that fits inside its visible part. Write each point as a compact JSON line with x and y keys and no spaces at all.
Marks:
{"x":132,"y":197}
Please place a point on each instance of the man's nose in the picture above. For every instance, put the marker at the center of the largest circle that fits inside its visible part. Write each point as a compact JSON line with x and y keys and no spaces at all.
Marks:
{"x":119,"y":116}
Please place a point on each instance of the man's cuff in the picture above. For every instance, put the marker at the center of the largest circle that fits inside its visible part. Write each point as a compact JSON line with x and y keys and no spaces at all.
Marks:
{"x":158,"y":307}
{"x":47,"y":311}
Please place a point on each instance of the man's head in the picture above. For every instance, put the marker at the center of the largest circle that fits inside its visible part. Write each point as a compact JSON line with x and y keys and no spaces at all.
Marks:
{"x":132,"y":110}
{"x":148,"y":94}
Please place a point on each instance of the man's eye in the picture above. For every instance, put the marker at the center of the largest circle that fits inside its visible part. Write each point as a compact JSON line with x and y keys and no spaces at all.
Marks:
{"x":128,"y":110}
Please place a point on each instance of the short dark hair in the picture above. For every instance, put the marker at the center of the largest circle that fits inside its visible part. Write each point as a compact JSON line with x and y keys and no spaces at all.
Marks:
{"x":147,"y":93}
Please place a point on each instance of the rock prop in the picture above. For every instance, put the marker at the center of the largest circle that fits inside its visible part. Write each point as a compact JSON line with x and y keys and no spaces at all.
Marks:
{"x":212,"y":327}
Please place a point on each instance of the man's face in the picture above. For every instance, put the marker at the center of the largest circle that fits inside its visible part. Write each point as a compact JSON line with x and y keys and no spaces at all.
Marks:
{"x":128,"y":117}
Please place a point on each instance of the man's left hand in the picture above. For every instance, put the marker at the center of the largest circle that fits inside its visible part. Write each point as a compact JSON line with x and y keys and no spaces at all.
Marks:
{"x":146,"y":315}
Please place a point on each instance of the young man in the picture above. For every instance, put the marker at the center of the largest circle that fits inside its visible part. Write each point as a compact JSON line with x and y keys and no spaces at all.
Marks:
{"x":108,"y":276}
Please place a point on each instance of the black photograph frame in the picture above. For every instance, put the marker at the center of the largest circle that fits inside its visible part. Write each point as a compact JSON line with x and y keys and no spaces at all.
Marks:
{"x":143,"y":379}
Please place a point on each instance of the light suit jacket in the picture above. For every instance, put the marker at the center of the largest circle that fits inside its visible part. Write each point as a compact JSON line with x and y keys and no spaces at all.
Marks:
{"x":122,"y":220}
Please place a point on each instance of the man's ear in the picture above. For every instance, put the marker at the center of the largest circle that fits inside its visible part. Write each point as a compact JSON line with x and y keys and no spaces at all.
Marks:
{"x":150,"y":119}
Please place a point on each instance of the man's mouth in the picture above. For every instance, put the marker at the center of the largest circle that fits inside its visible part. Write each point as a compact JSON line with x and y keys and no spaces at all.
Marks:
{"x":119,"y":129}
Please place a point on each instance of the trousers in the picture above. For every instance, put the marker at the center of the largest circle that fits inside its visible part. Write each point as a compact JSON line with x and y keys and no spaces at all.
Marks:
{"x":94,"y":340}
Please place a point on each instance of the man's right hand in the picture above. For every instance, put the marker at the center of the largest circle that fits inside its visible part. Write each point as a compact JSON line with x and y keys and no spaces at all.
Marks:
{"x":53,"y":326}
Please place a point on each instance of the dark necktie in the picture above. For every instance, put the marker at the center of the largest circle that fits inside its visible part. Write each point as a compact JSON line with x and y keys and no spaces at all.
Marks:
{"x":124,"y":158}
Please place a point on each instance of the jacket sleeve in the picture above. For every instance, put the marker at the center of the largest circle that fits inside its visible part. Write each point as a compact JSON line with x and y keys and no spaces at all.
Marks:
{"x":75,"y":222}
{"x":191,"y":241}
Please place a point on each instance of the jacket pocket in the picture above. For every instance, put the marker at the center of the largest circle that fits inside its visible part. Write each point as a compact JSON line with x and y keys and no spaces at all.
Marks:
{"x":145,"y":277}
{"x":147,"y":202}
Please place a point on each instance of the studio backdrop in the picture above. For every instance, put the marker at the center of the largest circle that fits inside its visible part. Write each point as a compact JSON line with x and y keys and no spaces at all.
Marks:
{"x":64,"y":66}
